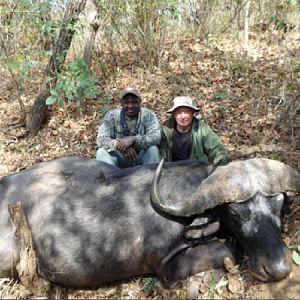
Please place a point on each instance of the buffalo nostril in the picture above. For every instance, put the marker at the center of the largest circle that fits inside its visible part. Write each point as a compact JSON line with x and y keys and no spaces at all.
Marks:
{"x":273,"y":268}
{"x":278,"y":271}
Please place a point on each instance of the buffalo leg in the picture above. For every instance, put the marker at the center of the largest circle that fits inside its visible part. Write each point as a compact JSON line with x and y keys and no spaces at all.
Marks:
{"x":194,"y":260}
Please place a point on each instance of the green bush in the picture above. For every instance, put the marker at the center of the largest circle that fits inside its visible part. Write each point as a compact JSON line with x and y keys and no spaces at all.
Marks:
{"x":296,"y":255}
{"x":75,"y":83}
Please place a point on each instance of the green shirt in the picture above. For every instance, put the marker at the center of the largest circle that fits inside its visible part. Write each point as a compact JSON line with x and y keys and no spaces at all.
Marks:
{"x":206,"y":145}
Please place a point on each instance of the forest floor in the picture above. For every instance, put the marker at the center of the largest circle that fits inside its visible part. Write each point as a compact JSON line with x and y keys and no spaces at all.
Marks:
{"x":252,"y":101}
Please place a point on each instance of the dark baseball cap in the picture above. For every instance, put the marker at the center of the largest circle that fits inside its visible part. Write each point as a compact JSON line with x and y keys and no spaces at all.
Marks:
{"x":130,"y":90}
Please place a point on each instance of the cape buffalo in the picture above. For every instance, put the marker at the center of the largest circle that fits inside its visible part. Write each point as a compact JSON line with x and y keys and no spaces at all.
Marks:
{"x":93,"y":224}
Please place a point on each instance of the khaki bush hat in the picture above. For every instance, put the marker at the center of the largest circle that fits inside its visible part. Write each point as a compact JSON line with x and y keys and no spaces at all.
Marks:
{"x":130,"y":90}
{"x":183,"y":101}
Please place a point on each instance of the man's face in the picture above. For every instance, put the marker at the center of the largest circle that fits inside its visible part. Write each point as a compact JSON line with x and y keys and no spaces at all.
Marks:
{"x":131,"y":105}
{"x":183,"y":116}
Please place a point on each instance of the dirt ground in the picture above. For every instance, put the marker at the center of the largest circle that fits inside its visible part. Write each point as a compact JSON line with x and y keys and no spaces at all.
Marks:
{"x":241,"y":98}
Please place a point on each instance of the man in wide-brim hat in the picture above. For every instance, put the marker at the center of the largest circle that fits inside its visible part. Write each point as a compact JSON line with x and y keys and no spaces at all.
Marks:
{"x":184,"y":136}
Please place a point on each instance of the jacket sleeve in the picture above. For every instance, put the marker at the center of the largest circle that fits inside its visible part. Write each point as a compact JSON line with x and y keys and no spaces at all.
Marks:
{"x":106,"y":133}
{"x":213,"y":146}
{"x":152,"y":132}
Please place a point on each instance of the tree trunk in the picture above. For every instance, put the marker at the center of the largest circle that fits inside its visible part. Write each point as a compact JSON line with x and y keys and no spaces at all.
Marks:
{"x":92,"y":17}
{"x":38,"y":112}
{"x":246,"y":25}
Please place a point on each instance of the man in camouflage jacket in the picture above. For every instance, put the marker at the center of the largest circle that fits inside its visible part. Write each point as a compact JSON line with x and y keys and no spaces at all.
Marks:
{"x":130,"y":134}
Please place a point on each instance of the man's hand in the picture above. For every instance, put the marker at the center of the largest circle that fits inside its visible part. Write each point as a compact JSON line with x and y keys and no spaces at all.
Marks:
{"x":124,"y":143}
{"x":131,"y":153}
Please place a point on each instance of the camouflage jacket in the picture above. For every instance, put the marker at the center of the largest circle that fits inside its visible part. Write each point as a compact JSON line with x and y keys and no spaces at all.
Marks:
{"x":148,"y":131}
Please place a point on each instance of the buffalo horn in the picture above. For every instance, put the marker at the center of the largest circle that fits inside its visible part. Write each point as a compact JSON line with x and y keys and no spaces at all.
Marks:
{"x":155,"y":196}
{"x":235,"y":182}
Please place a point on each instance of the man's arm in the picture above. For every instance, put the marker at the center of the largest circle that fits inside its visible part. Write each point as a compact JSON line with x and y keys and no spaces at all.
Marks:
{"x":106,"y":133}
{"x":152,"y":135}
{"x":213,"y":146}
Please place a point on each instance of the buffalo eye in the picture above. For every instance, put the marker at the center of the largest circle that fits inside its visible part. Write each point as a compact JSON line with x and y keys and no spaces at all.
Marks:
{"x":239,"y":212}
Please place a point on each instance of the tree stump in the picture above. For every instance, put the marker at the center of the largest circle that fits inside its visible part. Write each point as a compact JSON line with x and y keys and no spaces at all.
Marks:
{"x":27,"y":267}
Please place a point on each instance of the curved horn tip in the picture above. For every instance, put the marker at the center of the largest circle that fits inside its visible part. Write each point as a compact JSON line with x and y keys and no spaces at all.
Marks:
{"x":161,"y":162}
{"x":159,"y":167}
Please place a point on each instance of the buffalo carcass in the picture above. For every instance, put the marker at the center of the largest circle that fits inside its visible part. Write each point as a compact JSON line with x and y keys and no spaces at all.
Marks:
{"x":92,"y":224}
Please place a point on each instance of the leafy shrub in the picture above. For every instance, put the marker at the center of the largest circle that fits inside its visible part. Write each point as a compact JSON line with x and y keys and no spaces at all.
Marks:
{"x":75,"y":83}
{"x":296,"y":255}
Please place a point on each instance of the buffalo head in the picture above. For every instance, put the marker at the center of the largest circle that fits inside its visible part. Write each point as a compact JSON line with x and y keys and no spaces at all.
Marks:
{"x":253,"y":190}
{"x":256,"y":226}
